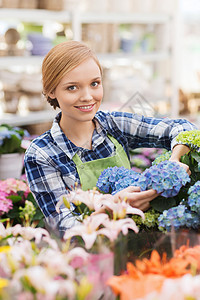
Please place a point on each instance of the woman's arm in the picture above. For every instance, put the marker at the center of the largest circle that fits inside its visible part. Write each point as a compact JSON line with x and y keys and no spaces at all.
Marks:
{"x":147,"y":132}
{"x":178,"y":151}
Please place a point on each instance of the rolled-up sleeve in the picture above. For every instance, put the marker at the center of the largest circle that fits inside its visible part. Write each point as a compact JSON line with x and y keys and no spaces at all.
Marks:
{"x":150,"y":132}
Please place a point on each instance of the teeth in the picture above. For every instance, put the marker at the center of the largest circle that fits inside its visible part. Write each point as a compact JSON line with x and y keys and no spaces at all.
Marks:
{"x":85,"y":107}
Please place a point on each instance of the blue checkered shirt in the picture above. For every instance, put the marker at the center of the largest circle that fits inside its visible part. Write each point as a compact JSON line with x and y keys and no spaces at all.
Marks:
{"x":51,"y":171}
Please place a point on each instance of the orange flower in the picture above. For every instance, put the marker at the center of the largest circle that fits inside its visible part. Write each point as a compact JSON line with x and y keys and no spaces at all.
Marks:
{"x":175,"y":267}
{"x":147,"y":275}
{"x":191,"y":254}
{"x":130,"y":288}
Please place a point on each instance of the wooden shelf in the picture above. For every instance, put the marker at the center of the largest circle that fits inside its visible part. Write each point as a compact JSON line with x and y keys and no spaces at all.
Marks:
{"x":121,"y":57}
{"x":34,"y":15}
{"x":127,"y":18}
{"x":28,"y":119}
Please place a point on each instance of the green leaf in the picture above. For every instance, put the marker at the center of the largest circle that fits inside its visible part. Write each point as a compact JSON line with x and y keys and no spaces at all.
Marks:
{"x":11,"y":145}
{"x":196,"y":156}
{"x":196,"y":169}
{"x":160,"y":203}
{"x":13,"y":213}
{"x":41,"y":223}
{"x":185,"y":159}
{"x":20,"y":193}
{"x":31,"y":198}
{"x":38,"y":215}
{"x":6,"y":238}
{"x":4,"y":220}
{"x":15,"y":198}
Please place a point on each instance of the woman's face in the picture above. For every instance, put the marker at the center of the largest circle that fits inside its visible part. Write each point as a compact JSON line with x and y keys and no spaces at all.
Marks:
{"x":80,"y":92}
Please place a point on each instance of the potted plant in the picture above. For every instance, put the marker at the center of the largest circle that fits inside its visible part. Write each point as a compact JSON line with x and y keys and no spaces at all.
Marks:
{"x":11,"y":151}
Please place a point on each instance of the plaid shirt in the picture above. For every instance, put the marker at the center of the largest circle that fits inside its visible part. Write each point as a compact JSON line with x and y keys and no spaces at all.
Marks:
{"x":51,"y":171}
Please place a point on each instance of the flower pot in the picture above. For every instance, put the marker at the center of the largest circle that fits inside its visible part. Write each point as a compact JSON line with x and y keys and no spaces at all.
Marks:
{"x":11,"y":165}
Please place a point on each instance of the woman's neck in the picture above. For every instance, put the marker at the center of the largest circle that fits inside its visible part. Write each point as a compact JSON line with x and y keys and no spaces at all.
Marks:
{"x":79,"y":134}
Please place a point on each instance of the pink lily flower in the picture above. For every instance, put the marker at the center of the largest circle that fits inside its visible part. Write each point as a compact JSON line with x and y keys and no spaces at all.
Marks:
{"x":56,"y":263}
{"x":77,"y":252}
{"x":121,"y":208}
{"x":77,"y":257}
{"x":39,"y":278}
{"x":91,"y":198}
{"x":113,"y":228}
{"x":88,"y":230}
{"x":2,"y":230}
{"x":28,"y":233}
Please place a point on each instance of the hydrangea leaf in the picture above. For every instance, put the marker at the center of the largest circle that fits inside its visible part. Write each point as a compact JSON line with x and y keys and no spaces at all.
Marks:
{"x":185,"y":159}
{"x":196,"y":156}
{"x":161,"y":203}
{"x":11,"y":145}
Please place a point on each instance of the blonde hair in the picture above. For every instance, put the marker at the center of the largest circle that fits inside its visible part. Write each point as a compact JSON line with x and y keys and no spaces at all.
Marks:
{"x":60,"y":60}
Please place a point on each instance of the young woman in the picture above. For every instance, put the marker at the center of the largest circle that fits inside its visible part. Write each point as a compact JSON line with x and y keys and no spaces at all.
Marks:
{"x":84,"y":141}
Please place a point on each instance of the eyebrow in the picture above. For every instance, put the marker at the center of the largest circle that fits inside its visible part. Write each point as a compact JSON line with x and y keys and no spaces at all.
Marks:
{"x":75,"y":82}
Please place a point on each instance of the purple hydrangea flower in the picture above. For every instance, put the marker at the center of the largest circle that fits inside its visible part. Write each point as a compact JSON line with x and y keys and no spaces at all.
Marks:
{"x":166,"y":178}
{"x":130,"y":179}
{"x":179,"y":216}
{"x":114,"y":179}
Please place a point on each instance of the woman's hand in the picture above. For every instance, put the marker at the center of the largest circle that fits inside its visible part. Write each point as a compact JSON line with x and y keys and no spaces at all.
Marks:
{"x":135,"y":197}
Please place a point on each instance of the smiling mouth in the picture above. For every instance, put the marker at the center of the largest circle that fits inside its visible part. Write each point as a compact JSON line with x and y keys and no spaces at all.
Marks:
{"x":85,"y":107}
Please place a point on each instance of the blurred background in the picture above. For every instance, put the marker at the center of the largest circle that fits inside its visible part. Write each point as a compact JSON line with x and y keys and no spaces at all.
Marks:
{"x":149,"y":50}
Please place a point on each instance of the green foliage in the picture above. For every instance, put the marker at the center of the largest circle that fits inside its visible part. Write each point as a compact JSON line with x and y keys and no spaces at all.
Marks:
{"x":10,"y":139}
{"x":161,"y":203}
{"x":22,"y":213}
{"x":150,"y":221}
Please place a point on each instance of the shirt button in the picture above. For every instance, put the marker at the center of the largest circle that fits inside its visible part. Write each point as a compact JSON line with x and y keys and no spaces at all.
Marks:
{"x":82,"y":167}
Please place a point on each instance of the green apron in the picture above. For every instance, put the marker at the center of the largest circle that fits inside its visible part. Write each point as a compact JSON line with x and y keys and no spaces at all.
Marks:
{"x":90,"y":171}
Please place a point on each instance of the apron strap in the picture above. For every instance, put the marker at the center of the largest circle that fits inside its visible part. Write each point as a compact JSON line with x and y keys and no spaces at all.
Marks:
{"x":78,"y":161}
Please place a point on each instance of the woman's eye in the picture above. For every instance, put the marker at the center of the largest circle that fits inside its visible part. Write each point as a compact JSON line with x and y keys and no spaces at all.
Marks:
{"x":95,"y":83}
{"x":72,"y":88}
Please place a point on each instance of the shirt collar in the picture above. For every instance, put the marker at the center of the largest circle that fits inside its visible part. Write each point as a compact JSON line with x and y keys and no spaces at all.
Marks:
{"x":100,"y":126}
{"x":66,"y":145}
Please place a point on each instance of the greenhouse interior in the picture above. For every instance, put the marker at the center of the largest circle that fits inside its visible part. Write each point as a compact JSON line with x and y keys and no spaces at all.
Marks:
{"x":99,"y":150}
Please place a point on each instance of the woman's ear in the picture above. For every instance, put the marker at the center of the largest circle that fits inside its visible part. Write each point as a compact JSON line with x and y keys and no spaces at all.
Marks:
{"x":52,"y":95}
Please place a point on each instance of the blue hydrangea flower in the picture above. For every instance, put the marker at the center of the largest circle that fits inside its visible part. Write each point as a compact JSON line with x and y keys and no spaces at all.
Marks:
{"x":166,"y":178}
{"x":194,"y":197}
{"x":179,"y":216}
{"x":114,"y":179}
{"x":130,"y":179}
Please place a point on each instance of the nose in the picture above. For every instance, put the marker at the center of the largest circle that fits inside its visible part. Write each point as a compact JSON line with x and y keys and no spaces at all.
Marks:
{"x":86,"y":95}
